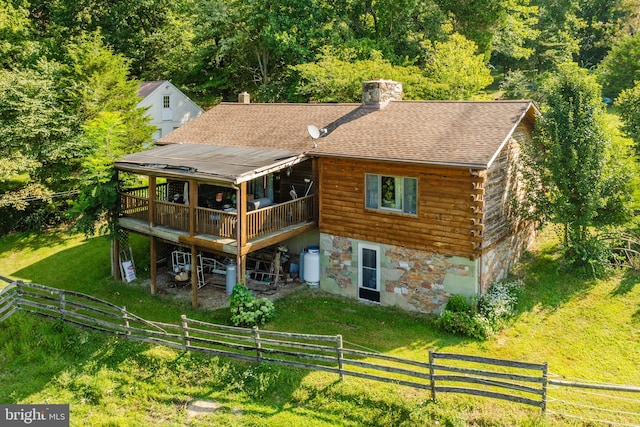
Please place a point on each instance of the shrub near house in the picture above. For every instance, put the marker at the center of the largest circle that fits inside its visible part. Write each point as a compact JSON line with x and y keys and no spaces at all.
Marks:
{"x":494,"y":308}
{"x":247,"y":310}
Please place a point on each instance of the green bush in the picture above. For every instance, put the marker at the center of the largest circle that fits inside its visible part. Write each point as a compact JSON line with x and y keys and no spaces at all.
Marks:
{"x":458,"y":304}
{"x":464,"y":323}
{"x":493,"y":309}
{"x":499,"y":303}
{"x":247,"y":310}
{"x":588,"y":258}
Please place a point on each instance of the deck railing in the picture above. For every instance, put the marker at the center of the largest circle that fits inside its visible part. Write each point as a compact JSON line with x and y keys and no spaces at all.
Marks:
{"x":134,"y":206}
{"x":277,"y":217}
{"x":215,"y":222}
{"x":174,"y":215}
{"x":161,"y":191}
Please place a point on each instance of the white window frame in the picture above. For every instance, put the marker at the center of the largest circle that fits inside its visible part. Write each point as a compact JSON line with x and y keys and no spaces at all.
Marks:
{"x":377,"y":198}
{"x":377,"y":249}
{"x":167,"y":112}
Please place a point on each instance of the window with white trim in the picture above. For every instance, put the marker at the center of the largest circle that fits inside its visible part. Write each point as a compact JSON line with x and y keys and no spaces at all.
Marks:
{"x":167,"y":107}
{"x":391,"y":193}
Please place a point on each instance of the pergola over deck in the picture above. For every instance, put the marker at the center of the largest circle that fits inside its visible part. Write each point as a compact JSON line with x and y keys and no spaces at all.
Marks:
{"x":234,"y":230}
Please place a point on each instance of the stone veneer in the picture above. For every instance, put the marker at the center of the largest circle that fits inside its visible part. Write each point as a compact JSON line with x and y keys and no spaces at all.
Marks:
{"x":498,"y":260}
{"x":411,"y":279}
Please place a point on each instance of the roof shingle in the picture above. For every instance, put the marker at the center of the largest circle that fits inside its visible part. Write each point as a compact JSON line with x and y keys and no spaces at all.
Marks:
{"x":434,"y":132}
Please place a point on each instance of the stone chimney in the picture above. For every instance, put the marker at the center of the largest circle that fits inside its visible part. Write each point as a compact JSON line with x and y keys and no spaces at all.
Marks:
{"x":244,"y":98}
{"x":377,"y":94}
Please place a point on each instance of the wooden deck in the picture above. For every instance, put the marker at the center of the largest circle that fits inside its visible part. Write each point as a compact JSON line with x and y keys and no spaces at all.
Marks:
{"x":215,"y":229}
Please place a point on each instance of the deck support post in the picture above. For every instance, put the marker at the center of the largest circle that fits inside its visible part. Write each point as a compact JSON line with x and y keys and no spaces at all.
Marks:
{"x":153,"y":264}
{"x":194,"y":276}
{"x":241,"y":231}
{"x":152,"y":200}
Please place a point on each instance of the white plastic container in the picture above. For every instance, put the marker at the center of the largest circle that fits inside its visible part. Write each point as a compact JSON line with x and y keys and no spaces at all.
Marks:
{"x":312,"y":267}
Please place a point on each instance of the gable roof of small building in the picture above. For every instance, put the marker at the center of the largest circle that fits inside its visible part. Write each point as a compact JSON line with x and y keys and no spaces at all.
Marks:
{"x":455,"y":133}
{"x":146,"y":88}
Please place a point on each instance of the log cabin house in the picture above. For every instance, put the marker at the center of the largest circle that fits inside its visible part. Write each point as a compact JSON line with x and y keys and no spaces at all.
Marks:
{"x":409,"y":202}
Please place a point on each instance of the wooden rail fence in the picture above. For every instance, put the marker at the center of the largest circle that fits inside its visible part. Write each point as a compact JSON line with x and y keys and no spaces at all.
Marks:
{"x":513,"y":381}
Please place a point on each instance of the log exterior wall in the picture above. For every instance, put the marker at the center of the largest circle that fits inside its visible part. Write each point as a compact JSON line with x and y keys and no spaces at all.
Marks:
{"x":449,"y":210}
{"x":506,"y":235}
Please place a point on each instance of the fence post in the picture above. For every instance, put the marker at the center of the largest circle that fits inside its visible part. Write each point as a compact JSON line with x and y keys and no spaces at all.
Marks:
{"x":126,"y":319}
{"x":340,"y":356}
{"x":256,"y":338}
{"x":545,"y":383}
{"x":185,"y":332}
{"x":432,"y":376}
{"x":20,"y":293}
{"x":62,"y":303}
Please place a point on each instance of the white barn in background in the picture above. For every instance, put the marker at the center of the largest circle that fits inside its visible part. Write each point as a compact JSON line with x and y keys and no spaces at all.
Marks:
{"x":168,"y":107}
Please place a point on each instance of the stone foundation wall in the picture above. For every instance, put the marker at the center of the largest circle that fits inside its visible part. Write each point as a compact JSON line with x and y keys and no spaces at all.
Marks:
{"x":412,"y":279}
{"x":499,"y":259}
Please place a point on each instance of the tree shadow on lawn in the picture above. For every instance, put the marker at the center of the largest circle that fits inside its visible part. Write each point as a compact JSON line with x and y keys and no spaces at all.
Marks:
{"x":86,"y":269}
{"x":363,"y":327}
{"x":38,"y":350}
{"x":32,"y":240}
{"x":46,"y":359}
{"x":547,"y":285}
{"x":77,"y":268}
{"x":629,"y":281}
{"x":336,"y":402}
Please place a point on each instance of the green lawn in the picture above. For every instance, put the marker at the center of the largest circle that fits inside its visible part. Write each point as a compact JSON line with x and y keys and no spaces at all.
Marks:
{"x":586,"y":330}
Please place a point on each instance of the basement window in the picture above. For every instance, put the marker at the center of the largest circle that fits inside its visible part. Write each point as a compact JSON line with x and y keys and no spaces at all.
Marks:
{"x":391,"y":193}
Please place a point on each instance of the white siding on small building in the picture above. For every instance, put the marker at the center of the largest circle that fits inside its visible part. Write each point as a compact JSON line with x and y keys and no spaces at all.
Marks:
{"x":168,"y":107}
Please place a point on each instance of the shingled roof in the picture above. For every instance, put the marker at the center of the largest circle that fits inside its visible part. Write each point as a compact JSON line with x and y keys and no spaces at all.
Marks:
{"x":145,"y":88}
{"x":459,"y":133}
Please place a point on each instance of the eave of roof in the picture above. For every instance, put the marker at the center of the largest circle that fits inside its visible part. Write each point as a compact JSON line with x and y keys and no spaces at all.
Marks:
{"x":232,"y":165}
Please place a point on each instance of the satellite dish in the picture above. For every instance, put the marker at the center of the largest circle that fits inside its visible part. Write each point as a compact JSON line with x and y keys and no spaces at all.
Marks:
{"x":314,"y":132}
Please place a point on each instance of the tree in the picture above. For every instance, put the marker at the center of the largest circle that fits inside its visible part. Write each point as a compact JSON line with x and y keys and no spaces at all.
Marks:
{"x":477,"y":20}
{"x":628,"y":103}
{"x":621,"y":67}
{"x":101,"y":83}
{"x":558,"y":26}
{"x":113,"y":125}
{"x":40,"y":149}
{"x":129,"y":27}
{"x":569,"y":162}
{"x":106,"y":134}
{"x":456,"y":67}
{"x":454,"y":71}
{"x":17,"y":44}
{"x":606,"y":21}
{"x":507,"y":22}
{"x":514,"y":40}
{"x":39,"y":137}
{"x":337,"y":77}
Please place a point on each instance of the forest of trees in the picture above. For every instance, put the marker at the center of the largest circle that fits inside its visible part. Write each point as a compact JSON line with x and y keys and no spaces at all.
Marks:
{"x":70,"y":69}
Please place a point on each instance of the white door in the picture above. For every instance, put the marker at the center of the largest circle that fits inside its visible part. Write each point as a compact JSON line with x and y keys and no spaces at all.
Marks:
{"x":167,"y":107}
{"x":369,"y":273}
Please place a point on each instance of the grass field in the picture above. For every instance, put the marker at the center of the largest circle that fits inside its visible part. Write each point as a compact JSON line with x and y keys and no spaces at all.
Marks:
{"x":584,"y":329}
